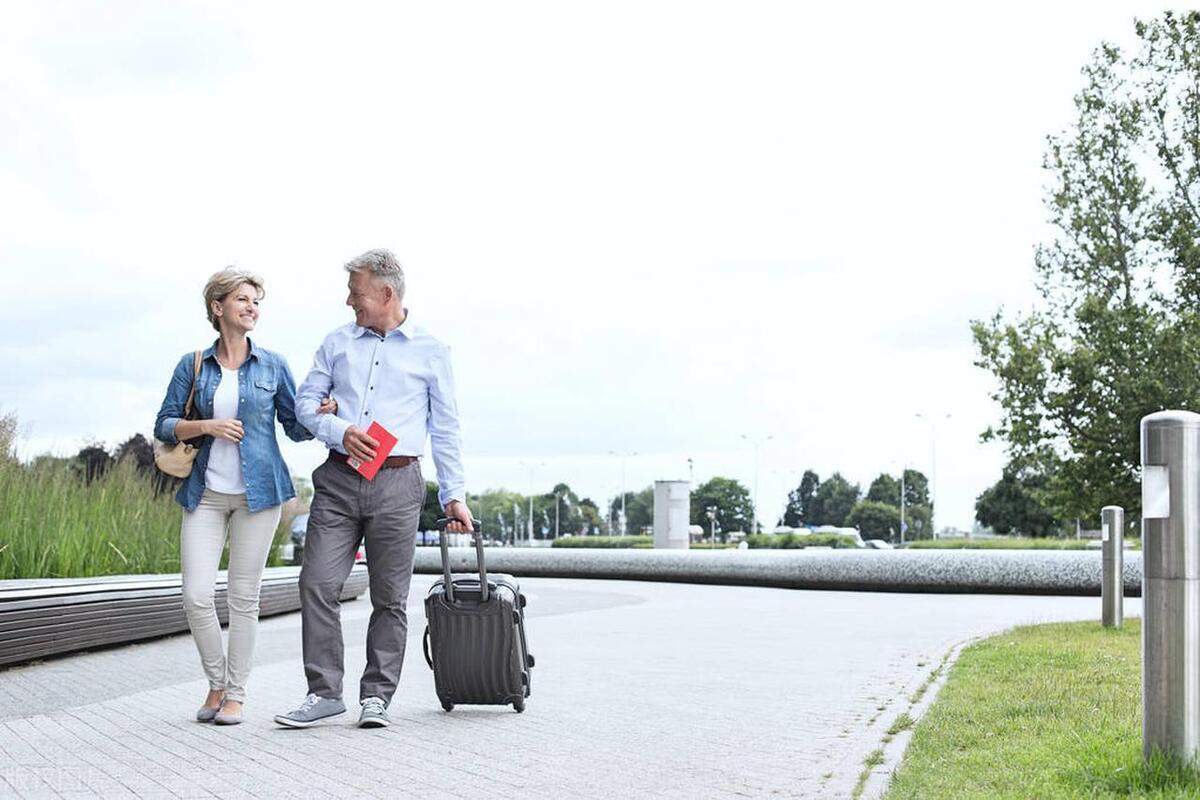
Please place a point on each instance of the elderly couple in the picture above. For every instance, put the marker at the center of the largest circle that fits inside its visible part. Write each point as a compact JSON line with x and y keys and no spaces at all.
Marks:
{"x":381,"y":367}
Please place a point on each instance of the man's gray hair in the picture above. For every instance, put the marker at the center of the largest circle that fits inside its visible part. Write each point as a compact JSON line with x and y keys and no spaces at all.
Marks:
{"x":383,"y":265}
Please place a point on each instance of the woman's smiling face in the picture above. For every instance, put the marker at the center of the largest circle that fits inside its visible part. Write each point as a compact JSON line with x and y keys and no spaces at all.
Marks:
{"x":238,"y":310}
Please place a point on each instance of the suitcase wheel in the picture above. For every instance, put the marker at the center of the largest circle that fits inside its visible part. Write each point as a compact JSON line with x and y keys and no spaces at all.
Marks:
{"x":529,"y":659}
{"x":521,"y":600}
{"x":447,"y":706}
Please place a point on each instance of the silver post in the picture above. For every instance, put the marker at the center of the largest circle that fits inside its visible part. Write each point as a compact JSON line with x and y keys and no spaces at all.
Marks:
{"x":1171,"y":584}
{"x":1112,"y":581}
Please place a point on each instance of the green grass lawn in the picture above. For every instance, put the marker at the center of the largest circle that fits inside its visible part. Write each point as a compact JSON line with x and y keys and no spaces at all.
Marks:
{"x":1048,"y":711}
{"x":1009,"y":543}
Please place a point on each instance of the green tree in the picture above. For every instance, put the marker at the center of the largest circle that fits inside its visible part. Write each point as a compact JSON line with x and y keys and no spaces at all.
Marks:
{"x":590,"y":521}
{"x":876,"y":519}
{"x":732,"y":501}
{"x":833,"y":501}
{"x":501,"y":513}
{"x":884,"y":489}
{"x":1011,"y":505}
{"x":800,"y":500}
{"x":1117,"y":334}
{"x":639,"y":510}
{"x":916,"y":523}
{"x":431,"y":509}
{"x":916,"y":488}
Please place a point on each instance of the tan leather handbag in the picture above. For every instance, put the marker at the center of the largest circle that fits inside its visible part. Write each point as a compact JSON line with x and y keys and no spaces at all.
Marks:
{"x":176,"y":459}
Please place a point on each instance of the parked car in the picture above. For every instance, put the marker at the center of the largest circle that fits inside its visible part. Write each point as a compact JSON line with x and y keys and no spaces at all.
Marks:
{"x":878,"y":544}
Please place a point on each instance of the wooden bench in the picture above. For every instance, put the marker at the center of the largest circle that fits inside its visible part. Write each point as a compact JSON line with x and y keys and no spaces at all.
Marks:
{"x":40,"y":618}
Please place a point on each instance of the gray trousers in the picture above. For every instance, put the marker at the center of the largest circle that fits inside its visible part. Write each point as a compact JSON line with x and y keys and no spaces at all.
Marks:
{"x":348,"y":509}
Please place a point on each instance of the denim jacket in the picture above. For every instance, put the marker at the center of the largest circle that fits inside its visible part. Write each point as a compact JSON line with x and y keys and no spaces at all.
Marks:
{"x":265,"y":391}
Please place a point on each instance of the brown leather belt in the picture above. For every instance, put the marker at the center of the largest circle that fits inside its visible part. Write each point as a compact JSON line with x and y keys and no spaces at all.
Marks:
{"x":391,"y":462}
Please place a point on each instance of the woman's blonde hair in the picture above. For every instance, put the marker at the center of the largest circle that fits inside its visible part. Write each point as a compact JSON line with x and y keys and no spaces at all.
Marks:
{"x":222,"y":283}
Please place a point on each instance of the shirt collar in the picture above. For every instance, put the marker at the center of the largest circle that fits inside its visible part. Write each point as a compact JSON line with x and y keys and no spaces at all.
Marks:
{"x":404,"y":329}
{"x":211,"y":352}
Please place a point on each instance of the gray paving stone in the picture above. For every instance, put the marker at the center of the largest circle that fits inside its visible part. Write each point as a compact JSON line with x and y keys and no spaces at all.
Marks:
{"x":641,"y":690}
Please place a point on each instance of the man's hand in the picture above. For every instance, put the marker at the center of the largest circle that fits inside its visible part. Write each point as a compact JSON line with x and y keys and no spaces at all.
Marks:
{"x":459,"y":516}
{"x":358,"y":444}
{"x":328,"y":406}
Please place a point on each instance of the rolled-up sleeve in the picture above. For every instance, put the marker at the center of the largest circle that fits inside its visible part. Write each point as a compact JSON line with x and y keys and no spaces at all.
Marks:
{"x":285,"y":405}
{"x":171,"y":410}
{"x":444,"y":435}
{"x":328,"y":428}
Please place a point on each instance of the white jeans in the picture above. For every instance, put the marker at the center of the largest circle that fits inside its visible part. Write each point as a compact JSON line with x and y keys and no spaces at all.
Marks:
{"x":202,"y":538}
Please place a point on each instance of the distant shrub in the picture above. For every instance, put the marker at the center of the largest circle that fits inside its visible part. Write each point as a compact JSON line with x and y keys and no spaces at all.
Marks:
{"x":798,"y":541}
{"x":1015,"y":543}
{"x":604,"y":541}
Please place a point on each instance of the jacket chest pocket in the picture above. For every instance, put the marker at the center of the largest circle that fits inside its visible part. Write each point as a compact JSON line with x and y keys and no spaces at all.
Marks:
{"x":261,"y":394}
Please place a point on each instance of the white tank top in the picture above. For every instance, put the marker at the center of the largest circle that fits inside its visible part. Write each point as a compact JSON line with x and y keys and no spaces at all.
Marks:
{"x":224,"y":473}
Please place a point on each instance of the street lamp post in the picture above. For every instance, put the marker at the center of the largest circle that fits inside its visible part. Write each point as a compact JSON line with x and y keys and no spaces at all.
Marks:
{"x":754,"y":511}
{"x":529,"y":522}
{"x":932,"y":422}
{"x":623,"y":456}
{"x":711,"y":513}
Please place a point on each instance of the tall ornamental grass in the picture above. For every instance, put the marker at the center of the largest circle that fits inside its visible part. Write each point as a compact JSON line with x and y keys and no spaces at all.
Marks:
{"x":54,"y":524}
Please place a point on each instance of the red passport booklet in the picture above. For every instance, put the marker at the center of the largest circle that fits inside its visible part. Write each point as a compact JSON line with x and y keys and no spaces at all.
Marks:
{"x":386,"y":442}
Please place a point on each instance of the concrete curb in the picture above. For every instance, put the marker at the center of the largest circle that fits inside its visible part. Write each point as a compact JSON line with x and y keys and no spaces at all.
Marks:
{"x":1060,"y":572}
{"x":894,"y":750}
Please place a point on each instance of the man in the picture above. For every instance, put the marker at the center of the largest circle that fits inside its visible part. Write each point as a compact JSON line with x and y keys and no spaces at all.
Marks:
{"x":380,"y":368}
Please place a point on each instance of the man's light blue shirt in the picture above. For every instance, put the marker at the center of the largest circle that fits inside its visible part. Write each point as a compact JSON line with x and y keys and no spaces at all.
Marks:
{"x":403,"y":381}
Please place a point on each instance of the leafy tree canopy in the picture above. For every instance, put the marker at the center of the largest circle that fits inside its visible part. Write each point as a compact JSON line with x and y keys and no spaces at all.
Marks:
{"x":639,"y":510}
{"x":732,"y":501}
{"x":1012,"y":505}
{"x":1117,"y":334}
{"x":875,"y":519}
{"x":885,"y":489}
{"x":833,"y":501}
{"x":800,"y":500}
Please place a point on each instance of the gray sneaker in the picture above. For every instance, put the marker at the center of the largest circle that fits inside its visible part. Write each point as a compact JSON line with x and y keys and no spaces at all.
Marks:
{"x":374,"y":714}
{"x":314,"y":709}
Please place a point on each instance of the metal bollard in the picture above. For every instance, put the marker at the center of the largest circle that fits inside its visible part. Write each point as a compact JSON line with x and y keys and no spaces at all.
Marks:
{"x":1112,"y":581}
{"x":1171,"y":583}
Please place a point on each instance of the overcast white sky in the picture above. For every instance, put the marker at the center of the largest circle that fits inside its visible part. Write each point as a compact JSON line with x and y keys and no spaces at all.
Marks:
{"x":643,"y":227}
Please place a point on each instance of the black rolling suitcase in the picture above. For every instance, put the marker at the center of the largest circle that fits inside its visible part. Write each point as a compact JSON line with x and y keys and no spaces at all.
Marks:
{"x":475,"y":635}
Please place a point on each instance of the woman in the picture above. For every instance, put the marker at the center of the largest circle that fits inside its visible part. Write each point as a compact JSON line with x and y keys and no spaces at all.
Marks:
{"x":238,"y":480}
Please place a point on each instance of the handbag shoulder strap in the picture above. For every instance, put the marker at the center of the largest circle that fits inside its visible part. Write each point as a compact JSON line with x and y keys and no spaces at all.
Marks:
{"x":187,"y":410}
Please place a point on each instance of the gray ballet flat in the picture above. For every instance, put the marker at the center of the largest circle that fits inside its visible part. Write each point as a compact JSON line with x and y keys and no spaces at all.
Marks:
{"x":222,"y":718}
{"x":206,"y":714}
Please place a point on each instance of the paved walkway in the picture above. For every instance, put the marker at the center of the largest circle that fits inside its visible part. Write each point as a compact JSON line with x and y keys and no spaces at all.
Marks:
{"x":641,"y":690}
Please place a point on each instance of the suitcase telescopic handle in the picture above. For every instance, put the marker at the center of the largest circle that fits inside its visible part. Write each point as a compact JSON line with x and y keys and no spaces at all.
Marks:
{"x":445,"y":547}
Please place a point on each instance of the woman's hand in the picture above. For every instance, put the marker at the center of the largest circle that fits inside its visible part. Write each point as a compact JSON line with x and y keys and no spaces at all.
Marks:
{"x":328,"y":406}
{"x":230,"y":429}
